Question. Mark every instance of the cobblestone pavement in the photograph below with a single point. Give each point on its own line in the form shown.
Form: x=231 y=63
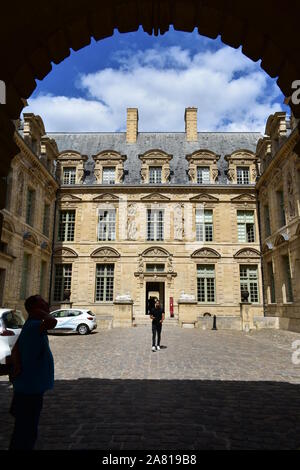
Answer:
x=203 y=390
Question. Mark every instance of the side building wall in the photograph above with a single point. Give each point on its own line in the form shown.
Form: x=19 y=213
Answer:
x=279 y=199
x=26 y=243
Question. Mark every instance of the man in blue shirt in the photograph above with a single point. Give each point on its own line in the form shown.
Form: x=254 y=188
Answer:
x=33 y=373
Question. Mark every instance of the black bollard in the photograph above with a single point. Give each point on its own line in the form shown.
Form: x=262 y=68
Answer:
x=215 y=323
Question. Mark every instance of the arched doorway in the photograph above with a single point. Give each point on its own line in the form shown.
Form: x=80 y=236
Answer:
x=37 y=37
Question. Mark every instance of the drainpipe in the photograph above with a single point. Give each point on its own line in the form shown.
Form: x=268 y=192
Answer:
x=52 y=250
x=261 y=257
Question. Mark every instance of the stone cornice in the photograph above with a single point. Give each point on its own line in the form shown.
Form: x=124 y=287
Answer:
x=34 y=159
x=109 y=154
x=155 y=154
x=284 y=150
x=71 y=155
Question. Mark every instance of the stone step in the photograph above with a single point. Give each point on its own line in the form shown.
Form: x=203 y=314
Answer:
x=145 y=320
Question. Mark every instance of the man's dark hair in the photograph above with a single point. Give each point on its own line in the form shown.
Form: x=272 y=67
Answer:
x=31 y=301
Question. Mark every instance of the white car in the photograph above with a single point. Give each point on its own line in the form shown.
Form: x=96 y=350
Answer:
x=82 y=321
x=11 y=323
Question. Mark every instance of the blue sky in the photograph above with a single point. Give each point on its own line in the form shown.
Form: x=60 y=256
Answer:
x=91 y=89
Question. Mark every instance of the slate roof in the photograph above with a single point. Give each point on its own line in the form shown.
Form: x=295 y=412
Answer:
x=174 y=143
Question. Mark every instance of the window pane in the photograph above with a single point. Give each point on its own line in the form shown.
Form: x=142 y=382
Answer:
x=288 y=279
x=280 y=200
x=271 y=283
x=66 y=228
x=204 y=225
x=203 y=175
x=249 y=282
x=243 y=175
x=155 y=267
x=107 y=225
x=46 y=221
x=155 y=225
x=206 y=283
x=108 y=175
x=267 y=221
x=246 y=227
x=62 y=282
x=69 y=175
x=43 y=278
x=250 y=233
x=25 y=275
x=155 y=174
x=30 y=206
x=104 y=282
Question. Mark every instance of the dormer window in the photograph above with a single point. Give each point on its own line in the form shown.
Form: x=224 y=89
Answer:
x=243 y=175
x=155 y=167
x=109 y=167
x=109 y=175
x=242 y=167
x=70 y=167
x=203 y=176
x=155 y=174
x=203 y=167
x=69 y=175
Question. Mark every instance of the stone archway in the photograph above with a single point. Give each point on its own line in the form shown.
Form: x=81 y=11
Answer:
x=35 y=37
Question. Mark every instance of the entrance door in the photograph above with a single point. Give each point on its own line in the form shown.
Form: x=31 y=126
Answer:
x=2 y=283
x=154 y=290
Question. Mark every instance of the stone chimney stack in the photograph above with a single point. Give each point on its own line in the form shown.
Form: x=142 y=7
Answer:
x=190 y=117
x=132 y=125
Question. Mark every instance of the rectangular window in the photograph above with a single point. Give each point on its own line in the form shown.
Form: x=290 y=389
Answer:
x=203 y=176
x=69 y=175
x=155 y=174
x=206 y=283
x=246 y=226
x=66 y=226
x=26 y=268
x=30 y=206
x=104 y=282
x=288 y=279
x=249 y=282
x=271 y=282
x=43 y=279
x=62 y=282
x=155 y=268
x=281 y=214
x=155 y=225
x=243 y=175
x=267 y=221
x=46 y=220
x=107 y=224
x=108 y=175
x=204 y=225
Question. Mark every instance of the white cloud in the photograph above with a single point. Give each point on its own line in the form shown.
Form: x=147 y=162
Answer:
x=231 y=93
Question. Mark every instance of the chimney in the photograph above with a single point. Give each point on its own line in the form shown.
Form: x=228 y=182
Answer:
x=190 y=117
x=132 y=125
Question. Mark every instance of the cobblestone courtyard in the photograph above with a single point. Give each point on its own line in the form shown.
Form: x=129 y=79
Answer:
x=203 y=390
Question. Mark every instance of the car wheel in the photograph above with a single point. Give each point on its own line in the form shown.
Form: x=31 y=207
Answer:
x=83 y=329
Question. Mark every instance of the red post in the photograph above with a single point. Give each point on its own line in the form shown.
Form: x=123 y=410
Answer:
x=171 y=307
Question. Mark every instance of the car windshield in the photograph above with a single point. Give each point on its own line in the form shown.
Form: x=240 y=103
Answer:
x=13 y=319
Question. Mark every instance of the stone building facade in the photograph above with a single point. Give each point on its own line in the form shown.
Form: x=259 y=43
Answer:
x=26 y=242
x=278 y=192
x=167 y=215
x=110 y=221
